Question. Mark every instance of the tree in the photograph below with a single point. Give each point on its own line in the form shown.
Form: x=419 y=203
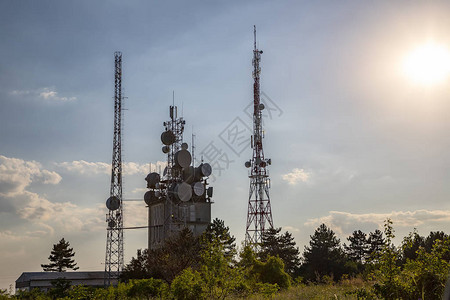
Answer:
x=263 y=277
x=282 y=245
x=219 y=276
x=411 y=245
x=358 y=248
x=376 y=244
x=217 y=231
x=137 y=268
x=388 y=284
x=61 y=258
x=324 y=256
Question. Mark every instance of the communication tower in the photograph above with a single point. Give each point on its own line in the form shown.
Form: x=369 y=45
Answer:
x=114 y=218
x=180 y=197
x=259 y=213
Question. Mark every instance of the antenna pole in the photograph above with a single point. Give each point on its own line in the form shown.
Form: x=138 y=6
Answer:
x=259 y=214
x=114 y=218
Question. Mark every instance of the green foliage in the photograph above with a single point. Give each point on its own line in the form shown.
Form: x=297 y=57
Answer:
x=387 y=274
x=281 y=245
x=411 y=245
x=188 y=285
x=272 y=271
x=82 y=292
x=324 y=256
x=358 y=249
x=34 y=294
x=60 y=288
x=376 y=244
x=255 y=271
x=217 y=231
x=147 y=288
x=425 y=277
x=178 y=253
x=218 y=274
x=137 y=268
x=61 y=258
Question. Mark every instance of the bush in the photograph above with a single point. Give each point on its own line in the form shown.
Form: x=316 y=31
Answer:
x=147 y=288
x=188 y=286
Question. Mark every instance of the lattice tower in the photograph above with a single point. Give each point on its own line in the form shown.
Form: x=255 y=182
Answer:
x=114 y=218
x=259 y=213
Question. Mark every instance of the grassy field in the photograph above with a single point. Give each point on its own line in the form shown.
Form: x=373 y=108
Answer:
x=347 y=289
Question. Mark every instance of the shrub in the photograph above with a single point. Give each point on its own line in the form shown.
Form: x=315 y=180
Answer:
x=188 y=286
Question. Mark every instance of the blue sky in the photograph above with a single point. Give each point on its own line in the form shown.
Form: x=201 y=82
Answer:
x=352 y=139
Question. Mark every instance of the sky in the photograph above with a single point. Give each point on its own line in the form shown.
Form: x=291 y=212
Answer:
x=353 y=138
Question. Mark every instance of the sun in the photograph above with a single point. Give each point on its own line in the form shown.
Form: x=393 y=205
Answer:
x=427 y=65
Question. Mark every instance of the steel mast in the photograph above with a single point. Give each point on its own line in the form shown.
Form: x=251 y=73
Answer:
x=259 y=214
x=114 y=218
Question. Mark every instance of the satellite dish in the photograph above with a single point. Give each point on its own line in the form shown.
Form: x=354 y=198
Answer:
x=262 y=164
x=198 y=188
x=184 y=146
x=205 y=169
x=209 y=191
x=152 y=179
x=168 y=138
x=248 y=164
x=269 y=161
x=183 y=192
x=188 y=174
x=183 y=159
x=261 y=106
x=165 y=149
x=113 y=203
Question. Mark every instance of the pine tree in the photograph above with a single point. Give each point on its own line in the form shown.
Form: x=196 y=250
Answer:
x=282 y=245
x=217 y=231
x=358 y=248
x=61 y=258
x=324 y=256
x=376 y=244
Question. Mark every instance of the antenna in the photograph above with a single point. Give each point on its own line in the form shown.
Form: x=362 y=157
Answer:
x=259 y=213
x=114 y=218
x=254 y=35
x=193 y=146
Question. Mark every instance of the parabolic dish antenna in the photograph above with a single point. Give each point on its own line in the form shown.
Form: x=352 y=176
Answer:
x=152 y=179
x=183 y=192
x=198 y=188
x=113 y=203
x=167 y=137
x=205 y=169
x=183 y=159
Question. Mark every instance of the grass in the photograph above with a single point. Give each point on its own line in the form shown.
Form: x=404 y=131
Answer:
x=347 y=289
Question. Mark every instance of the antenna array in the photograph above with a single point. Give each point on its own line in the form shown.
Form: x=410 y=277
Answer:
x=259 y=213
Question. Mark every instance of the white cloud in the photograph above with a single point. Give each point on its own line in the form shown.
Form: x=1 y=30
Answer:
x=94 y=168
x=345 y=222
x=84 y=167
x=47 y=93
x=291 y=229
x=296 y=176
x=16 y=174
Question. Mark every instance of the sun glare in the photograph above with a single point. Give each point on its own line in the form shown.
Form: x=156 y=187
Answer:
x=428 y=64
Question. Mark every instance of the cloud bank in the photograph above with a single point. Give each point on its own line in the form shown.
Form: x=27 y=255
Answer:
x=345 y=222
